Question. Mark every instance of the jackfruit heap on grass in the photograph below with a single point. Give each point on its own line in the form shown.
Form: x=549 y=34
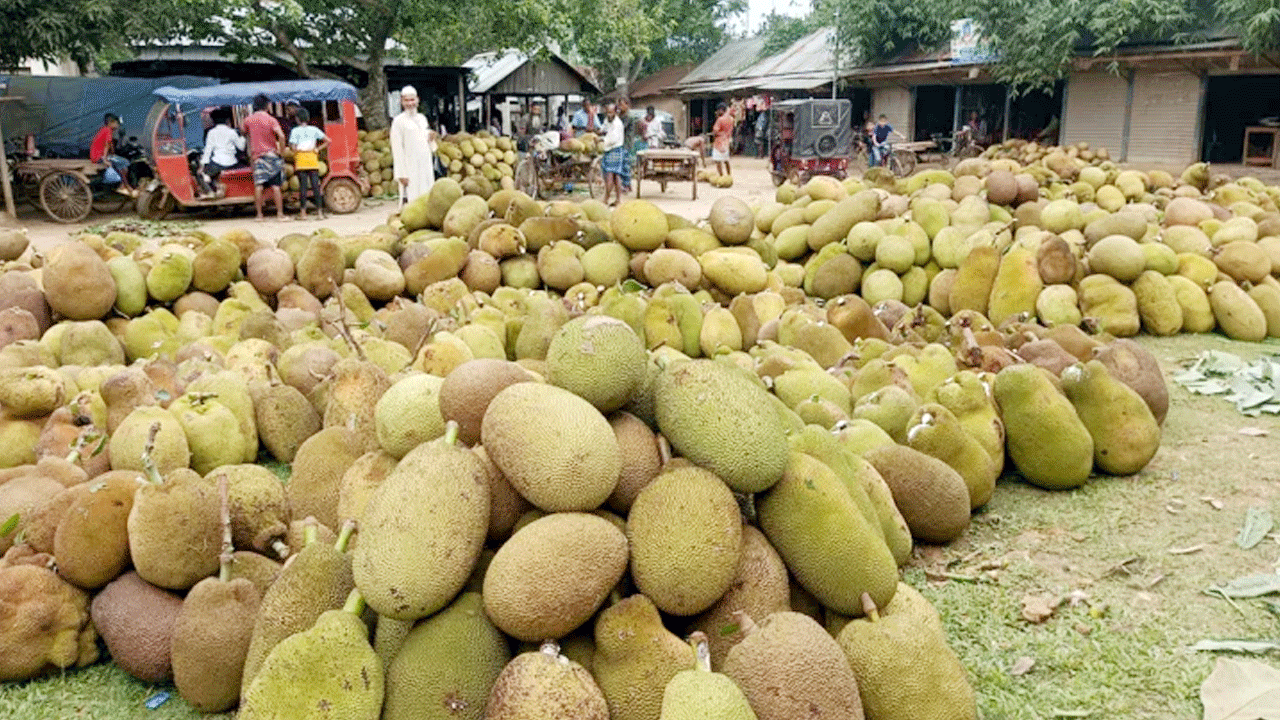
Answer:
x=607 y=428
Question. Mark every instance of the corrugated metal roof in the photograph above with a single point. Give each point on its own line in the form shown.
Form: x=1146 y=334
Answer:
x=490 y=68
x=727 y=62
x=814 y=52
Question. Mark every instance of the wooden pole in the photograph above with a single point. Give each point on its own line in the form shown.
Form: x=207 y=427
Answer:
x=4 y=180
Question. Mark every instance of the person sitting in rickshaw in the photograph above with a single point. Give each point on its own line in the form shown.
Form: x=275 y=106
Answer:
x=220 y=147
x=101 y=151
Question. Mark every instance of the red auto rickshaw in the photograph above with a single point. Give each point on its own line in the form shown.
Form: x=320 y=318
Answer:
x=175 y=132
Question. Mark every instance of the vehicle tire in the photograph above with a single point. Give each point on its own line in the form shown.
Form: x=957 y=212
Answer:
x=65 y=197
x=154 y=204
x=342 y=196
x=526 y=176
x=906 y=162
x=826 y=145
x=595 y=180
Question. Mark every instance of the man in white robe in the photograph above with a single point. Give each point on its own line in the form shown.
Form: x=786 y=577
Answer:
x=413 y=146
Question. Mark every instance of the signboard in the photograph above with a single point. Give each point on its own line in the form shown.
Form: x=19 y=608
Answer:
x=968 y=46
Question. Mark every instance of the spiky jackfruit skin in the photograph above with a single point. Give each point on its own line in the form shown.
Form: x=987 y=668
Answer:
x=544 y=686
x=423 y=529
x=328 y=672
x=685 y=532
x=789 y=667
x=1046 y=440
x=904 y=666
x=552 y=575
x=699 y=695
x=555 y=448
x=932 y=496
x=210 y=641
x=721 y=419
x=635 y=658
x=825 y=540
x=317 y=579
x=447 y=665
x=598 y=358
x=1125 y=432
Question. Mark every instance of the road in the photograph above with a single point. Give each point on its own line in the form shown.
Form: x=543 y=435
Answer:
x=751 y=183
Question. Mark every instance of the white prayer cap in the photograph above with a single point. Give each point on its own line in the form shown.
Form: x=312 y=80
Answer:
x=408 y=91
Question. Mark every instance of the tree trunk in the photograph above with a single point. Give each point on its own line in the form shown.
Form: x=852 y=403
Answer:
x=373 y=96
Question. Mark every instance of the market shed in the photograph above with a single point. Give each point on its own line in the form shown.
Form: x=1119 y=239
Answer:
x=499 y=75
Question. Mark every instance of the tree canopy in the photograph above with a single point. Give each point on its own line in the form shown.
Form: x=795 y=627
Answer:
x=51 y=30
x=1035 y=40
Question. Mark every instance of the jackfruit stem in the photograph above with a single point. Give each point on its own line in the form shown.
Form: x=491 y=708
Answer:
x=149 y=463
x=310 y=531
x=664 y=450
x=344 y=534
x=549 y=647
x=228 y=548
x=281 y=548
x=701 y=651
x=746 y=625
x=869 y=608
x=343 y=329
x=451 y=432
x=355 y=603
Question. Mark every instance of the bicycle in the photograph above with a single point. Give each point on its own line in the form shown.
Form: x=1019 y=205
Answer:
x=957 y=147
x=901 y=162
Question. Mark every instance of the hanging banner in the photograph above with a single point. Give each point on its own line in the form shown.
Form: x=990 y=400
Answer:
x=968 y=46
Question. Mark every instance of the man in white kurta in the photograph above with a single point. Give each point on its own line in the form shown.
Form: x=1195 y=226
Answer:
x=413 y=146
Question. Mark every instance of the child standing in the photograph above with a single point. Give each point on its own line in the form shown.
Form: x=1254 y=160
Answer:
x=307 y=141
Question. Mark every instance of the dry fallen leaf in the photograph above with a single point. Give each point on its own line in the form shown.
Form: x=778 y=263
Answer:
x=1241 y=690
x=1037 y=609
x=1253 y=432
x=1185 y=550
x=1022 y=666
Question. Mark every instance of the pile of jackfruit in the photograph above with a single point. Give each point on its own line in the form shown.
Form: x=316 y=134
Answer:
x=532 y=447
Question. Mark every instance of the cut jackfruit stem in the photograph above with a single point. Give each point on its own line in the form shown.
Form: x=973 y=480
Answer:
x=228 y=548
x=344 y=535
x=701 y=651
x=664 y=451
x=281 y=548
x=148 y=463
x=451 y=432
x=869 y=608
x=310 y=531
x=746 y=625
x=355 y=603
x=549 y=647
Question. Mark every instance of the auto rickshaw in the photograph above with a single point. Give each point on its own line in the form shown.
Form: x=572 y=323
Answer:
x=175 y=134
x=809 y=137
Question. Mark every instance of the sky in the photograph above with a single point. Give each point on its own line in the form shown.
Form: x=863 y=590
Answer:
x=758 y=9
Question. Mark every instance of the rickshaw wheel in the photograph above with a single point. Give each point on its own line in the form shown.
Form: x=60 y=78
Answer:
x=154 y=204
x=595 y=180
x=342 y=196
x=526 y=177
x=65 y=197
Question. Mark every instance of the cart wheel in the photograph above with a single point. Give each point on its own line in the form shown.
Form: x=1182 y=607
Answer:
x=906 y=161
x=65 y=197
x=155 y=204
x=342 y=196
x=526 y=177
x=595 y=180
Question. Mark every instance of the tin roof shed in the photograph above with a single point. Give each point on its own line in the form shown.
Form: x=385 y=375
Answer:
x=512 y=72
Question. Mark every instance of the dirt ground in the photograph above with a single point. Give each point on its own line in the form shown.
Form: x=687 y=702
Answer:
x=751 y=183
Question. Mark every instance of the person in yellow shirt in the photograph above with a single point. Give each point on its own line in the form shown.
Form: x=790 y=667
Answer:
x=307 y=141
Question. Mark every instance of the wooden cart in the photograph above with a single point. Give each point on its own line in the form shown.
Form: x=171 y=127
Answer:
x=67 y=188
x=540 y=174
x=664 y=166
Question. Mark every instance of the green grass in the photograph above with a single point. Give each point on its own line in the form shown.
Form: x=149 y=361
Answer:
x=99 y=692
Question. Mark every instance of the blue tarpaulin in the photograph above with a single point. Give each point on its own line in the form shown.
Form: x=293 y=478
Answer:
x=64 y=113
x=278 y=91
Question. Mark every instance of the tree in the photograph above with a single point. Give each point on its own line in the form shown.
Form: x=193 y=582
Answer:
x=1258 y=21
x=781 y=31
x=448 y=32
x=55 y=29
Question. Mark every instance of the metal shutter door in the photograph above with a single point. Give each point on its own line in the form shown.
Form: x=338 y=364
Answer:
x=895 y=103
x=1162 y=126
x=1095 y=111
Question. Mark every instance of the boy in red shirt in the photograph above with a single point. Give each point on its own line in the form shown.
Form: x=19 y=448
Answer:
x=266 y=144
x=100 y=151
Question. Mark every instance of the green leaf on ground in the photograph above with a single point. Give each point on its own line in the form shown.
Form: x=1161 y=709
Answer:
x=1257 y=523
x=1241 y=690
x=1253 y=387
x=1248 y=646
x=1250 y=586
